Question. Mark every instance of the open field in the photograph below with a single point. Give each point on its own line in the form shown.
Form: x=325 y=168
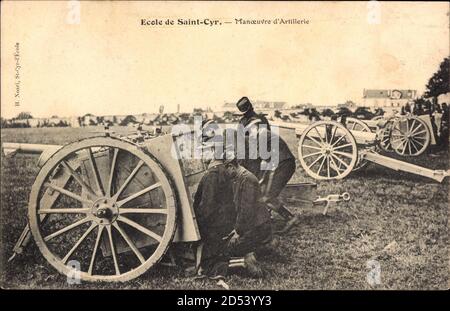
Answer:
x=323 y=252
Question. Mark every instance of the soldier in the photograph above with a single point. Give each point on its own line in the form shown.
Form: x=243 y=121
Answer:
x=251 y=161
x=215 y=214
x=444 y=128
x=275 y=173
x=273 y=182
x=253 y=229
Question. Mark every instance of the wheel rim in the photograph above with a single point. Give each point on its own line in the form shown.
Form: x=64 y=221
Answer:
x=385 y=136
x=353 y=124
x=410 y=136
x=327 y=150
x=116 y=223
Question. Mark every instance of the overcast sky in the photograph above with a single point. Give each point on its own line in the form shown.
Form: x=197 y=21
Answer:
x=110 y=64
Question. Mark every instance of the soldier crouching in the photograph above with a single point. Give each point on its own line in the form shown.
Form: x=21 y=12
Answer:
x=253 y=228
x=234 y=223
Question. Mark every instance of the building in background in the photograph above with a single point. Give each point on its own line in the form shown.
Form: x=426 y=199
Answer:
x=259 y=105
x=387 y=98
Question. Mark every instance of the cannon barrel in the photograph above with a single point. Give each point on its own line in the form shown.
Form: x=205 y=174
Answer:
x=45 y=151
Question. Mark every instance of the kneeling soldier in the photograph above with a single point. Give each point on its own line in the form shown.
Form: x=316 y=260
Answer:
x=252 y=230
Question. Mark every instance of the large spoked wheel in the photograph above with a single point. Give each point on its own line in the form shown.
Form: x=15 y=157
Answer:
x=103 y=207
x=327 y=150
x=410 y=136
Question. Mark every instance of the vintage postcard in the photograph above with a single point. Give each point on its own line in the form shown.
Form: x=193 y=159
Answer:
x=224 y=145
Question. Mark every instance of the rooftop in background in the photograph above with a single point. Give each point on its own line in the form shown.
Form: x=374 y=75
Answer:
x=259 y=105
x=392 y=94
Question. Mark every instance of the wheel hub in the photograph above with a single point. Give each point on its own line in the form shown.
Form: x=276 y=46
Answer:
x=105 y=211
x=327 y=149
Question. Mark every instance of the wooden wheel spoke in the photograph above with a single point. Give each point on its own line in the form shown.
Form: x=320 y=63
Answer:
x=130 y=177
x=95 y=171
x=315 y=141
x=68 y=228
x=77 y=244
x=315 y=161
x=321 y=165
x=67 y=193
x=317 y=131
x=312 y=147
x=312 y=154
x=333 y=134
x=403 y=146
x=63 y=211
x=129 y=242
x=420 y=137
x=111 y=173
x=418 y=133
x=417 y=142
x=420 y=126
x=78 y=178
x=412 y=125
x=139 y=193
x=338 y=140
x=340 y=161
x=334 y=166
x=140 y=228
x=94 y=252
x=113 y=250
x=142 y=211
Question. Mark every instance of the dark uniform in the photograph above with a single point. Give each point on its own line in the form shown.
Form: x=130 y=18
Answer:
x=249 y=116
x=444 y=129
x=275 y=180
x=253 y=224
x=215 y=214
x=251 y=163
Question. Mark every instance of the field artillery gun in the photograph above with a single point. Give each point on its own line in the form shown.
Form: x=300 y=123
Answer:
x=406 y=135
x=109 y=208
x=329 y=150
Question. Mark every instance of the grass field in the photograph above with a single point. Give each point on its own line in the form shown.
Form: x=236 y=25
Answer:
x=406 y=212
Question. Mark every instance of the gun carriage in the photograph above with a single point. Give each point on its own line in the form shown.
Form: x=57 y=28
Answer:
x=331 y=150
x=116 y=205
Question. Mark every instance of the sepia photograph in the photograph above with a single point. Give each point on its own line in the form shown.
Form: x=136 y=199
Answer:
x=249 y=145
